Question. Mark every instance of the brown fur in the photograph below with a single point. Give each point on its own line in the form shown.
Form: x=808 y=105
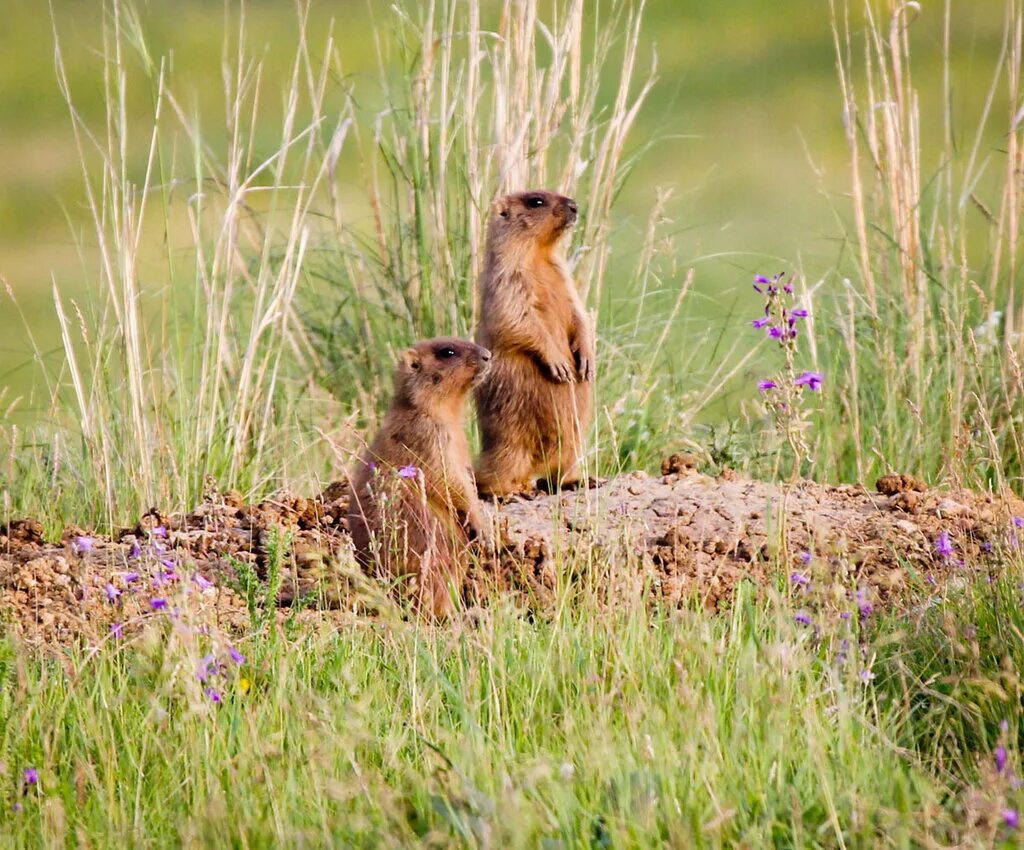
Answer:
x=535 y=404
x=421 y=526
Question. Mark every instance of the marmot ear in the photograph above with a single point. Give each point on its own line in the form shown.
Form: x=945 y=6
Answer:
x=411 y=359
x=500 y=208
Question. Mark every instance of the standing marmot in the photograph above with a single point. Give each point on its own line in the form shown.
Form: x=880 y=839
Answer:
x=414 y=506
x=535 y=404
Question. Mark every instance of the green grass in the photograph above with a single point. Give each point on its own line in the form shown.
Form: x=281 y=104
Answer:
x=584 y=728
x=678 y=362
x=582 y=725
x=743 y=88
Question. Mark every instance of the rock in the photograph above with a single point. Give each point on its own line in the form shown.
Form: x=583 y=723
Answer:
x=890 y=485
x=24 y=531
x=679 y=464
x=906 y=501
x=950 y=508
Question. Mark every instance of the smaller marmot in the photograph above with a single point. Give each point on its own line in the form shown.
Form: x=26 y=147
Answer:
x=414 y=508
x=535 y=405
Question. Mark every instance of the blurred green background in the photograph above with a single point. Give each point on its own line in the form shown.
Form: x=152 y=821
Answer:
x=746 y=114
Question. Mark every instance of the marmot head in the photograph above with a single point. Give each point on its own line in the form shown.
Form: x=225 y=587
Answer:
x=439 y=373
x=541 y=215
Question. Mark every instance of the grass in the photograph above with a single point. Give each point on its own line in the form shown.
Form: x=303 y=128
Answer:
x=249 y=280
x=251 y=276
x=624 y=728
x=281 y=275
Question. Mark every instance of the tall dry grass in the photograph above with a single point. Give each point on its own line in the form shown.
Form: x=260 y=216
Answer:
x=237 y=279
x=234 y=278
x=497 y=98
x=927 y=342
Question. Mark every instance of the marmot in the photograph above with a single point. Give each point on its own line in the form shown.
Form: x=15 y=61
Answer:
x=535 y=405
x=414 y=507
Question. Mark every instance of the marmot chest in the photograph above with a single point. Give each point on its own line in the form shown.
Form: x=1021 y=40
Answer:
x=553 y=298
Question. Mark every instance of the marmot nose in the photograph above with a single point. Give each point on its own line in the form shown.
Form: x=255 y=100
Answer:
x=485 y=355
x=571 y=204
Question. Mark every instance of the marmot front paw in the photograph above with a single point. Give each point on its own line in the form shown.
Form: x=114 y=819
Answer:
x=562 y=371
x=585 y=367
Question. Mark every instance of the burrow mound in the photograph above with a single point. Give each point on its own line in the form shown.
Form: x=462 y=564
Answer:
x=678 y=536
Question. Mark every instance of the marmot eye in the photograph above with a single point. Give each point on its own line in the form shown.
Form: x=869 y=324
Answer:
x=445 y=353
x=534 y=202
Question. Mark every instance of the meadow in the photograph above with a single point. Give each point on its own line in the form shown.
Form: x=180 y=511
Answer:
x=260 y=208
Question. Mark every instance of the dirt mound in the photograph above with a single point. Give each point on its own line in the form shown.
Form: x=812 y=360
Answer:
x=85 y=585
x=676 y=535
x=697 y=535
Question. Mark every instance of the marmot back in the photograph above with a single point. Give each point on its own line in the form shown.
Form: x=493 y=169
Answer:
x=535 y=405
x=414 y=508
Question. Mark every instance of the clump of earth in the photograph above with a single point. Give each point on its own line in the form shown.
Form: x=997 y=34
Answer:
x=679 y=538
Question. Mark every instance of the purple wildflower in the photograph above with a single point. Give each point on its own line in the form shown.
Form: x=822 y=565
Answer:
x=160 y=531
x=760 y=323
x=866 y=675
x=31 y=776
x=788 y=289
x=805 y=557
x=207 y=667
x=203 y=582
x=409 y=471
x=766 y=385
x=112 y=592
x=864 y=605
x=776 y=333
x=1011 y=818
x=82 y=544
x=130 y=578
x=17 y=807
x=158 y=604
x=944 y=546
x=134 y=551
x=800 y=579
x=117 y=630
x=811 y=380
x=159 y=547
x=236 y=656
x=167 y=562
x=803 y=618
x=213 y=694
x=799 y=313
x=1018 y=521
x=845 y=615
x=1000 y=758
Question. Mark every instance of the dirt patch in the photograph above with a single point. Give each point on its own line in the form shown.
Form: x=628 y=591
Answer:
x=678 y=535
x=696 y=535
